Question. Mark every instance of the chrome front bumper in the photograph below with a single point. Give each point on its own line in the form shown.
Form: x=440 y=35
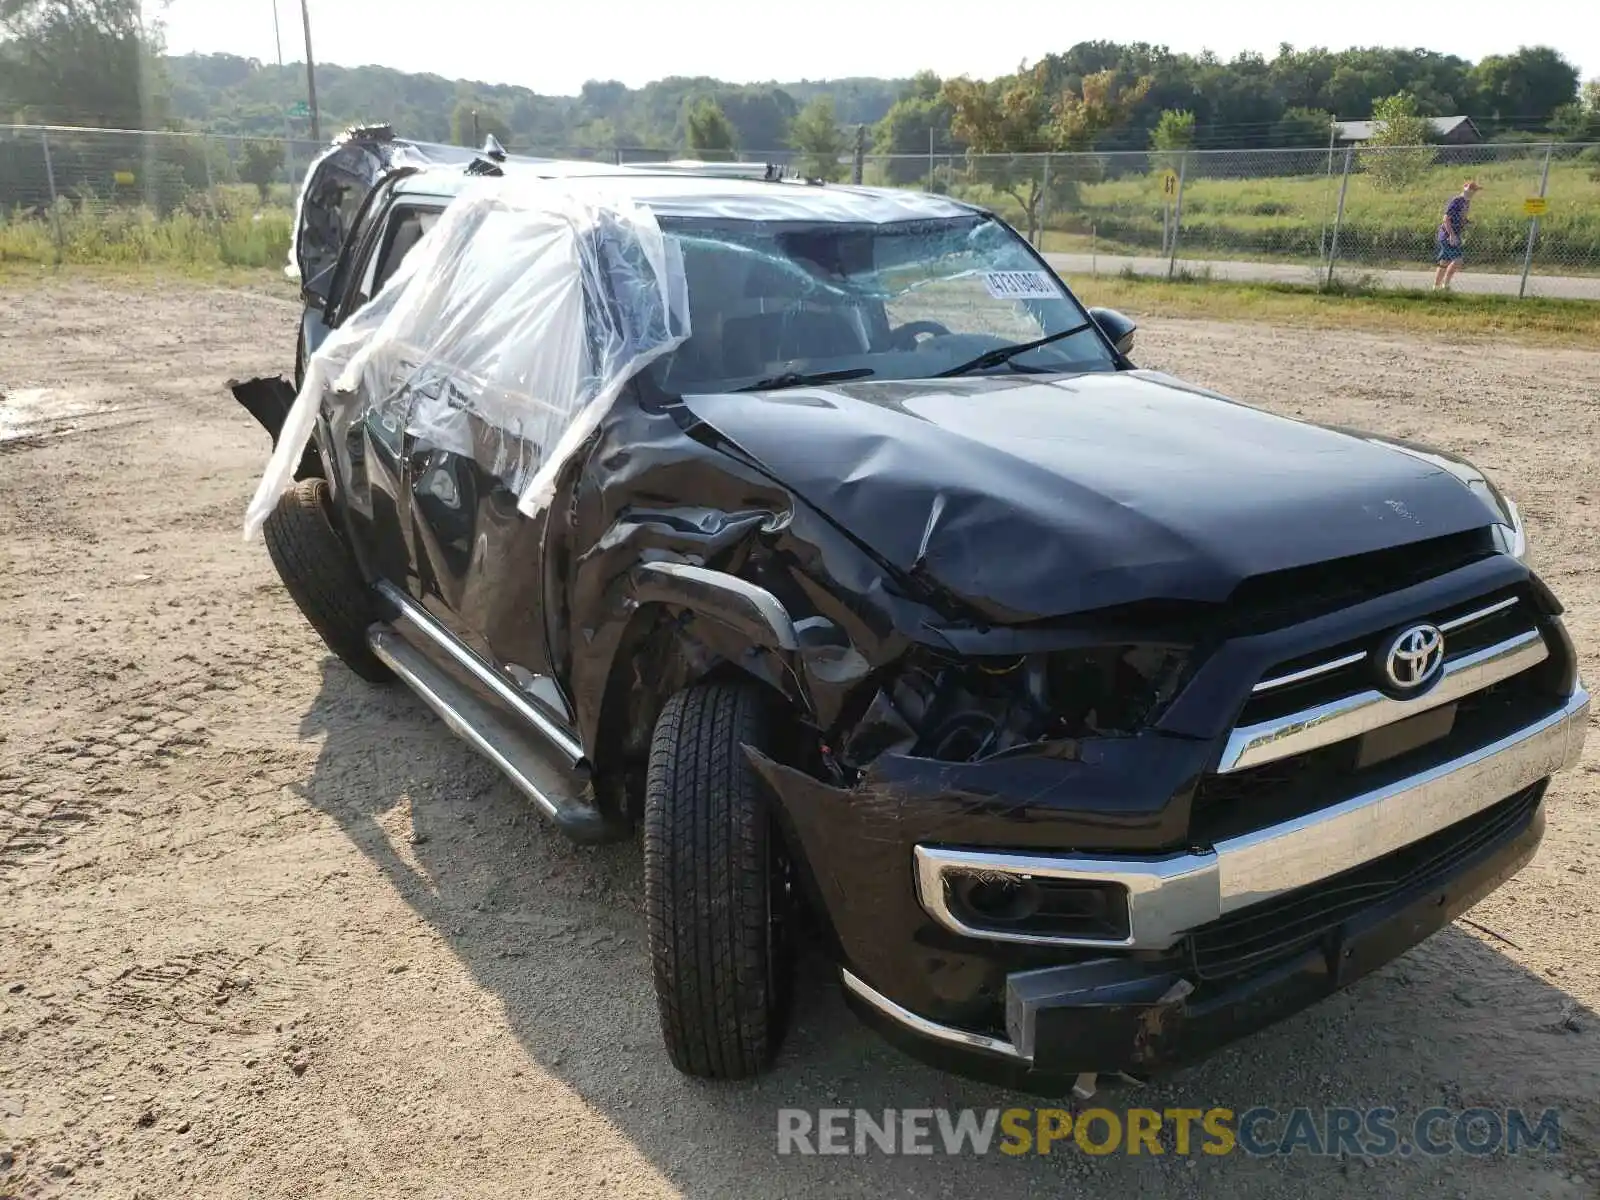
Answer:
x=1170 y=895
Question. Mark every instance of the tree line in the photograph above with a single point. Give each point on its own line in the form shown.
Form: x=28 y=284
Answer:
x=100 y=62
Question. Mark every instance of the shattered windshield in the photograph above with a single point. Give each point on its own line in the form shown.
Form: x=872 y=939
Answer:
x=911 y=300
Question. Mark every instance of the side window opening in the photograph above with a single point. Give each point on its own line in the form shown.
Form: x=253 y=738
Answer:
x=406 y=228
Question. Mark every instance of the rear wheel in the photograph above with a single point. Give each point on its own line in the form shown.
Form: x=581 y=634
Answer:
x=320 y=574
x=717 y=894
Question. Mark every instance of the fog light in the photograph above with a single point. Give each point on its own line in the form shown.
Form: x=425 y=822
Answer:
x=1040 y=906
x=1001 y=900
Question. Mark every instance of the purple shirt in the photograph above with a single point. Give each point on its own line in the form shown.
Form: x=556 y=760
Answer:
x=1455 y=216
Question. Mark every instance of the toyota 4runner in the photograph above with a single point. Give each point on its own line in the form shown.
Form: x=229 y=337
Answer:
x=820 y=533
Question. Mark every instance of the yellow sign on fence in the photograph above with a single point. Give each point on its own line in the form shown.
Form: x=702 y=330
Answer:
x=124 y=178
x=1535 y=206
x=1169 y=183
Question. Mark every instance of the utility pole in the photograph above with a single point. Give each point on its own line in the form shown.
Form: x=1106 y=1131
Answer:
x=311 y=74
x=288 y=131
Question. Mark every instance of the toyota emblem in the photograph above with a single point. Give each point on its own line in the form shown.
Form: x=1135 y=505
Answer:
x=1414 y=657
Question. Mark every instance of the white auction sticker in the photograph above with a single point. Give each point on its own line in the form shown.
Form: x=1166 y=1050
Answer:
x=1020 y=285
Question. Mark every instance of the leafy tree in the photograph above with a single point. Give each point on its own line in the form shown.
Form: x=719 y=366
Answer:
x=86 y=62
x=710 y=133
x=856 y=101
x=1246 y=101
x=602 y=100
x=1397 y=154
x=1579 y=120
x=1303 y=127
x=816 y=134
x=474 y=124
x=1020 y=115
x=262 y=162
x=760 y=116
x=1575 y=122
x=1524 y=89
x=1173 y=134
x=917 y=122
x=1101 y=102
x=1002 y=120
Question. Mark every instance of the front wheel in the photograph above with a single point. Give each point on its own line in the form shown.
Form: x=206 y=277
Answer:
x=716 y=888
x=321 y=575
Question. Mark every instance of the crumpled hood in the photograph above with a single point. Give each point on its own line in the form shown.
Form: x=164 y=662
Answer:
x=1027 y=498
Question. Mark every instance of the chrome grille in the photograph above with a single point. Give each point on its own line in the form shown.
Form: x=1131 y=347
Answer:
x=1319 y=700
x=1341 y=669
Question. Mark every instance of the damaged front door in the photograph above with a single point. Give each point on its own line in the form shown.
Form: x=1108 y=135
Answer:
x=373 y=447
x=479 y=561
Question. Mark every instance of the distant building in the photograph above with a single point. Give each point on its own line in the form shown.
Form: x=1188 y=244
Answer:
x=1452 y=131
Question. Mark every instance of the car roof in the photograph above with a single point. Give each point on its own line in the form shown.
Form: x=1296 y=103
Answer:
x=670 y=190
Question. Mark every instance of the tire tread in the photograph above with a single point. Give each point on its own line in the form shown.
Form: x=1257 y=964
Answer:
x=320 y=575
x=706 y=883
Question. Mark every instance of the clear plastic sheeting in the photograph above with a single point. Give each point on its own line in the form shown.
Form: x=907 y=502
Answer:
x=505 y=335
x=292 y=270
x=335 y=188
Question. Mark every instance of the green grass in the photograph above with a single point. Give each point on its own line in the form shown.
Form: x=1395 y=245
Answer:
x=1406 y=313
x=1289 y=218
x=229 y=235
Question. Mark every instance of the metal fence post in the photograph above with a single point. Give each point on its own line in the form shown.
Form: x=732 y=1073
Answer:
x=1338 y=219
x=1044 y=203
x=1177 y=213
x=211 y=179
x=50 y=176
x=1533 y=223
x=1322 y=236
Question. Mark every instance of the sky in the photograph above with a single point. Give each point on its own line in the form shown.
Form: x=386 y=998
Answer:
x=556 y=50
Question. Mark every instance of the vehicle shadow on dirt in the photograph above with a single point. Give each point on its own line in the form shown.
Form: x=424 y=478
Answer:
x=555 y=933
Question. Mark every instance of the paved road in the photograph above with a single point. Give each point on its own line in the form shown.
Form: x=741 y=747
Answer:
x=1573 y=287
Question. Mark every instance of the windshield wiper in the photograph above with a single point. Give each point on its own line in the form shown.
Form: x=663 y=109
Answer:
x=791 y=379
x=1004 y=354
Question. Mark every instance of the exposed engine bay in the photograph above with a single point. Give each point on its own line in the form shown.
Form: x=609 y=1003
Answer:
x=965 y=710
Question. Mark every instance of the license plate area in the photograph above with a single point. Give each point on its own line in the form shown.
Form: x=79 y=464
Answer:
x=1404 y=736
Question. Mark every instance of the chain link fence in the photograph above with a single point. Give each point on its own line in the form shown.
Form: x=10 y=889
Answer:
x=1339 y=214
x=92 y=195
x=1336 y=214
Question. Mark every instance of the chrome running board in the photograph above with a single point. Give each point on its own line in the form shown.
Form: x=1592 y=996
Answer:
x=495 y=735
x=422 y=623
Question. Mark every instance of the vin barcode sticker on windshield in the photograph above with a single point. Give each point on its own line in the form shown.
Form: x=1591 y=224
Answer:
x=1020 y=285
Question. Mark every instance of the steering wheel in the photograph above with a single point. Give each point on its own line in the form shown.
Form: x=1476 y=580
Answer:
x=906 y=335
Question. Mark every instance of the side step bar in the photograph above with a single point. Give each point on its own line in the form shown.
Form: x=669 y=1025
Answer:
x=419 y=621
x=497 y=738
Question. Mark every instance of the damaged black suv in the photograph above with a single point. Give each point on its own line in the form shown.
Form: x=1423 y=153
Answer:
x=821 y=532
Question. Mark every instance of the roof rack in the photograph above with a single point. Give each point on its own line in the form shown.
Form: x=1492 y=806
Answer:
x=770 y=172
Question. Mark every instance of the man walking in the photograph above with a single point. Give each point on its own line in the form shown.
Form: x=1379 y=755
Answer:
x=1447 y=242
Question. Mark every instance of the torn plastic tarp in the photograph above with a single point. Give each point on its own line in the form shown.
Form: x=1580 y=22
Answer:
x=504 y=336
x=336 y=185
x=294 y=269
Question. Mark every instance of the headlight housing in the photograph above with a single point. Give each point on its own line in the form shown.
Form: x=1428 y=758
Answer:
x=965 y=710
x=1510 y=536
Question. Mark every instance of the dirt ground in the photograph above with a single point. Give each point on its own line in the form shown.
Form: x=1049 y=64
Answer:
x=267 y=931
